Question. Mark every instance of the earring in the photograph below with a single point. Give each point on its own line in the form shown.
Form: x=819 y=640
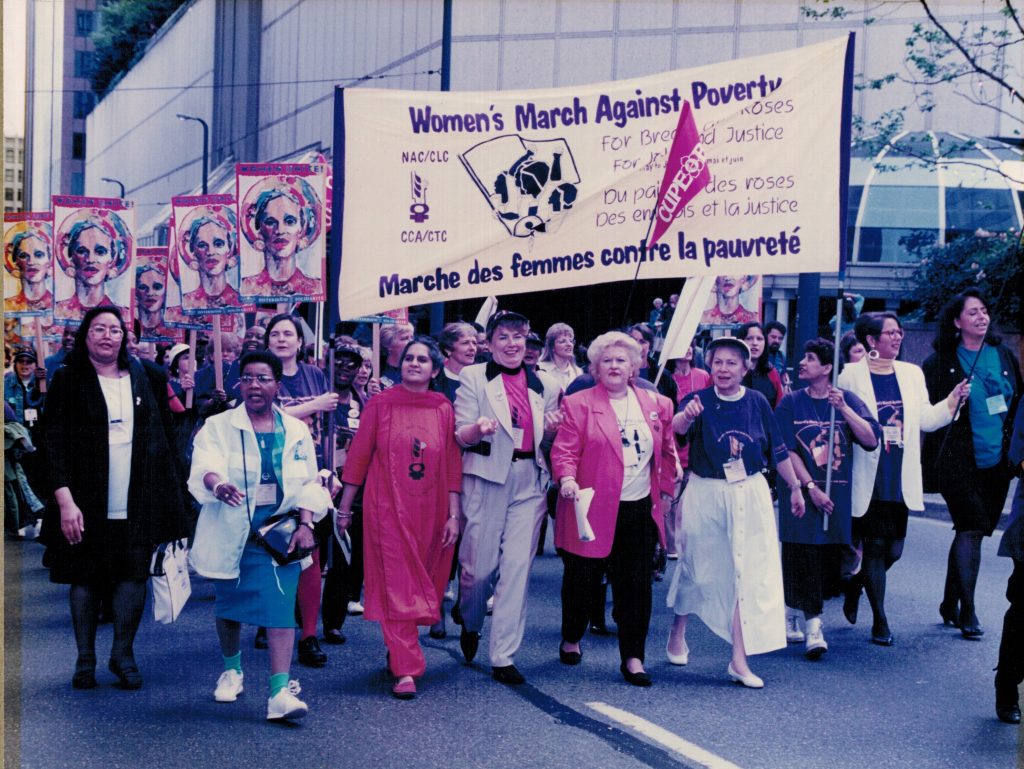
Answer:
x=873 y=354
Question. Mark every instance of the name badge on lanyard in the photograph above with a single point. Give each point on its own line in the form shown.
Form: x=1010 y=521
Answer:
x=893 y=434
x=735 y=470
x=119 y=432
x=996 y=405
x=32 y=415
x=266 y=494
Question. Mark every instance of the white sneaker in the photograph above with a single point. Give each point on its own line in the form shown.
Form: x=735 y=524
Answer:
x=229 y=686
x=449 y=594
x=354 y=607
x=816 y=644
x=285 y=705
x=490 y=605
x=794 y=634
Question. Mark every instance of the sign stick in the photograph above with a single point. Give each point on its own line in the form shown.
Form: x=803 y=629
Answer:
x=192 y=358
x=40 y=358
x=218 y=355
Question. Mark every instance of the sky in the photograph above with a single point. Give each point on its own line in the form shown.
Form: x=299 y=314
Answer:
x=14 y=67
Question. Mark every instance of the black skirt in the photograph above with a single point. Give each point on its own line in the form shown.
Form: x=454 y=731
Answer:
x=883 y=520
x=976 y=500
x=102 y=558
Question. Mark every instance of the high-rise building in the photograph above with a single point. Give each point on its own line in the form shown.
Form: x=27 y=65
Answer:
x=14 y=173
x=58 y=97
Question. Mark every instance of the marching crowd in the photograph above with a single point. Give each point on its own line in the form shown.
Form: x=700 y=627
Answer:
x=434 y=481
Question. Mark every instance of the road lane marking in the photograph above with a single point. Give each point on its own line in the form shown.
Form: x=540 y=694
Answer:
x=663 y=736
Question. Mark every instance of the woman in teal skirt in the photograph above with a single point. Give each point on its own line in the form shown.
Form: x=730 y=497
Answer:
x=250 y=463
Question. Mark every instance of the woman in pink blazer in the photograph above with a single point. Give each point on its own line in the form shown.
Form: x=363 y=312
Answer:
x=617 y=440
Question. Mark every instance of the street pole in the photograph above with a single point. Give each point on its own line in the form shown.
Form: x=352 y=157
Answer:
x=206 y=148
x=437 y=308
x=118 y=182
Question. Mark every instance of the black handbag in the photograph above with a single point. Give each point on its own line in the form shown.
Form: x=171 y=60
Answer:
x=275 y=535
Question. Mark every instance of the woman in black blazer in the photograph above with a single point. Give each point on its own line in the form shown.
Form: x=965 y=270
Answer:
x=967 y=461
x=114 y=489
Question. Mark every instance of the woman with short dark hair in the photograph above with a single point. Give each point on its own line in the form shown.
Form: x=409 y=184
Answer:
x=967 y=462
x=115 y=486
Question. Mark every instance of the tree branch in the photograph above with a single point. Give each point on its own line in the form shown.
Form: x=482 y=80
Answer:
x=1013 y=92
x=1012 y=13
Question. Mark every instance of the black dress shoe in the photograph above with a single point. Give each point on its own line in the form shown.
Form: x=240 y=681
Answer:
x=84 y=679
x=456 y=614
x=508 y=675
x=334 y=637
x=260 y=641
x=637 y=679
x=310 y=653
x=851 y=602
x=972 y=631
x=438 y=631
x=569 y=658
x=881 y=636
x=600 y=629
x=949 y=615
x=470 y=642
x=127 y=673
x=1010 y=715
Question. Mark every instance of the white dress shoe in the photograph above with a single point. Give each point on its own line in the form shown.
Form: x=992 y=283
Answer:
x=750 y=681
x=677 y=659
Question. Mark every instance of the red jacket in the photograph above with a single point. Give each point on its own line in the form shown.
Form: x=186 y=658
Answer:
x=588 y=447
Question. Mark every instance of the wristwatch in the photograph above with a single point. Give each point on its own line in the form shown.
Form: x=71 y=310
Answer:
x=310 y=524
x=810 y=485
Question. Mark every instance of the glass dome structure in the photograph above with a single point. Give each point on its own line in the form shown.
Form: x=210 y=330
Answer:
x=942 y=184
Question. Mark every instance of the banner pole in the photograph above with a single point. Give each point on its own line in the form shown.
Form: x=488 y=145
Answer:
x=375 y=360
x=40 y=358
x=636 y=275
x=218 y=355
x=192 y=360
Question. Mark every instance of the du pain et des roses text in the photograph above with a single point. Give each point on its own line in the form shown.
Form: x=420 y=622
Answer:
x=775 y=244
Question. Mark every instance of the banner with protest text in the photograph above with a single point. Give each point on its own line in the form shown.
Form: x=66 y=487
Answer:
x=479 y=194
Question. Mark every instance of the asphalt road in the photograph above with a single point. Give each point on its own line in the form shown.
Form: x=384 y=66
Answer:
x=925 y=702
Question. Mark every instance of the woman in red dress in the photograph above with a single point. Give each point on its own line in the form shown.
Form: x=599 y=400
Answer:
x=406 y=454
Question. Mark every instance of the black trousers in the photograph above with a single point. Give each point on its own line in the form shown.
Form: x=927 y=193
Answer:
x=629 y=572
x=809 y=575
x=1011 y=648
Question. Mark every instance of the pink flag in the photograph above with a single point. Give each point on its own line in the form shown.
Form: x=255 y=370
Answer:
x=686 y=173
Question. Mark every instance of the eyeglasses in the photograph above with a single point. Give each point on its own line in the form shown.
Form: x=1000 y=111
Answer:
x=263 y=379
x=114 y=332
x=893 y=332
x=348 y=364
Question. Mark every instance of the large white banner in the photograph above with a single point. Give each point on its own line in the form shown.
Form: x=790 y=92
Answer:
x=460 y=195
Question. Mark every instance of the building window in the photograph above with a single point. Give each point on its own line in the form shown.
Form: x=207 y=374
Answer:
x=78 y=146
x=83 y=103
x=9 y=195
x=84 y=22
x=21 y=176
x=9 y=175
x=77 y=183
x=83 y=63
x=9 y=156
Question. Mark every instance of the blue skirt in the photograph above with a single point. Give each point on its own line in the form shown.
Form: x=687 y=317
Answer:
x=264 y=593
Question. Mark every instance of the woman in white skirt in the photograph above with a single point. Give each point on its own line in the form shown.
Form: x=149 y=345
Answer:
x=729 y=572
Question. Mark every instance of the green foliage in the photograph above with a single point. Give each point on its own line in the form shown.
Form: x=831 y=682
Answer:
x=990 y=262
x=124 y=29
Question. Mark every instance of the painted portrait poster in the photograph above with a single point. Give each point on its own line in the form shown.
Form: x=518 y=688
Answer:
x=283 y=232
x=28 y=263
x=173 y=314
x=206 y=246
x=734 y=300
x=94 y=248
x=151 y=283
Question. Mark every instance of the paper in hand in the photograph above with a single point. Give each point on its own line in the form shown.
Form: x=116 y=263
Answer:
x=583 y=499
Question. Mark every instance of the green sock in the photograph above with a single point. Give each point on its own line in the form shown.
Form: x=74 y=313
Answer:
x=233 y=663
x=278 y=681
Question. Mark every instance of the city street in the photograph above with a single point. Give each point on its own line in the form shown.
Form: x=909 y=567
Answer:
x=925 y=702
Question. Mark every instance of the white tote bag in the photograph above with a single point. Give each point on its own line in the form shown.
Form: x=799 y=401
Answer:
x=171 y=583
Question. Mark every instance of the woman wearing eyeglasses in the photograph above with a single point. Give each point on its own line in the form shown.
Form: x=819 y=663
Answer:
x=405 y=453
x=115 y=494
x=887 y=480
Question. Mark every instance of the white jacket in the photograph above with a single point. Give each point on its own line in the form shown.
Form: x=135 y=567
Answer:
x=918 y=414
x=222 y=529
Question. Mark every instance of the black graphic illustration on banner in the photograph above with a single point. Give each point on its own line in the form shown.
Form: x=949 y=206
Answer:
x=529 y=184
